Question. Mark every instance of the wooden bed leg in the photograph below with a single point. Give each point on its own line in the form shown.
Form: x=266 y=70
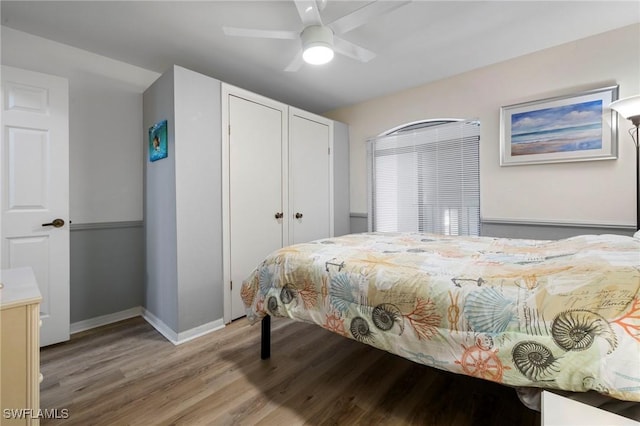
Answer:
x=265 y=345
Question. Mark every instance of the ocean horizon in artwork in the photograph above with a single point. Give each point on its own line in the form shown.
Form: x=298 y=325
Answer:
x=575 y=127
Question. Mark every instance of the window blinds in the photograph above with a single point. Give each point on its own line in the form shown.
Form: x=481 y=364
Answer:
x=426 y=180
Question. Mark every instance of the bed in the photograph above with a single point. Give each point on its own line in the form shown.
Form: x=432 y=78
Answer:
x=525 y=313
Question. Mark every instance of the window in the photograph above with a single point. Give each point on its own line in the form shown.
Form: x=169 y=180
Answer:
x=425 y=177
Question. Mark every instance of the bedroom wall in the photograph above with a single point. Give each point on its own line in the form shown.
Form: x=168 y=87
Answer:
x=341 y=225
x=596 y=193
x=160 y=227
x=105 y=150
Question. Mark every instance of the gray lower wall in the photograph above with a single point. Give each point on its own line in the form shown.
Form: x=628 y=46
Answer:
x=536 y=231
x=358 y=223
x=539 y=231
x=107 y=259
x=107 y=268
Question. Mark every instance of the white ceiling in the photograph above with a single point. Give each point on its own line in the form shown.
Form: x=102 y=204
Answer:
x=415 y=44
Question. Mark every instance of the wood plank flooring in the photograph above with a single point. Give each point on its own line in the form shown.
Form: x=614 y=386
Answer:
x=128 y=374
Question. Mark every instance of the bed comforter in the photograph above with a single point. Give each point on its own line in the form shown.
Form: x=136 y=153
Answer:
x=553 y=314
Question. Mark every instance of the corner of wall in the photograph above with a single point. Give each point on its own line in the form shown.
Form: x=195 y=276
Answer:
x=161 y=275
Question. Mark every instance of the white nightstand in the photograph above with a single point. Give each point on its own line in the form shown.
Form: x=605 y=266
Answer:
x=560 y=411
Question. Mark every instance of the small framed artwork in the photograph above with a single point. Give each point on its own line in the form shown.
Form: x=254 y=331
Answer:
x=158 y=141
x=577 y=127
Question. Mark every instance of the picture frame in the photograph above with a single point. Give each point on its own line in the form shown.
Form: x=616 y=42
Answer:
x=158 y=141
x=575 y=127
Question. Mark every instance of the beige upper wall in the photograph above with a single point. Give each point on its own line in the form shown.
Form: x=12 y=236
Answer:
x=592 y=192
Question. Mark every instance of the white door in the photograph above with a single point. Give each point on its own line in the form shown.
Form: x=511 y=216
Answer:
x=35 y=189
x=310 y=174
x=256 y=179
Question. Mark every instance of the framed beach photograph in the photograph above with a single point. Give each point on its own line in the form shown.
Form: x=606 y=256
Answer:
x=158 y=141
x=577 y=127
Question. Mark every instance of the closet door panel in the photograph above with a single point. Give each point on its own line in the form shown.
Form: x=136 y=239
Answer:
x=309 y=179
x=255 y=189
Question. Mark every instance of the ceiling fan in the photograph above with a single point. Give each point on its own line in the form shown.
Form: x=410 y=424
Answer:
x=320 y=41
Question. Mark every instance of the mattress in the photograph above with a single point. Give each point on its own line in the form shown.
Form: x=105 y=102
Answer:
x=548 y=314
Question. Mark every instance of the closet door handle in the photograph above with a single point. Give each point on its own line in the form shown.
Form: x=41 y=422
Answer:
x=279 y=215
x=298 y=216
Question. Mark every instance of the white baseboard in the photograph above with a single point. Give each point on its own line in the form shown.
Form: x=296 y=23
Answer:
x=157 y=323
x=160 y=326
x=184 y=336
x=79 y=326
x=200 y=330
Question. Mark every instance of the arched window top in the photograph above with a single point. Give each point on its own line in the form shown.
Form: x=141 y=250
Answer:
x=420 y=124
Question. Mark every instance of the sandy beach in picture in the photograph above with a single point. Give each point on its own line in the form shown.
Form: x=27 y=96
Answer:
x=545 y=147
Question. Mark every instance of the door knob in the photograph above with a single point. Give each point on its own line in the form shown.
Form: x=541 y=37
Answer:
x=298 y=216
x=57 y=223
x=279 y=215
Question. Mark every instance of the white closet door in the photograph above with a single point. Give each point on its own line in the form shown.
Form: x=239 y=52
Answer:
x=255 y=189
x=309 y=178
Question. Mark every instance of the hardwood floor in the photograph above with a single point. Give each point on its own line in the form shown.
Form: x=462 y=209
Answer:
x=127 y=373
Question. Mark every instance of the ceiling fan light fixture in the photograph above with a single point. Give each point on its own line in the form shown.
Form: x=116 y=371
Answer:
x=317 y=45
x=317 y=55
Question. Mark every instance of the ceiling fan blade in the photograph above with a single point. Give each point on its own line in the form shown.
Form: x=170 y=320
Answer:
x=308 y=11
x=363 y=15
x=351 y=50
x=250 y=32
x=295 y=64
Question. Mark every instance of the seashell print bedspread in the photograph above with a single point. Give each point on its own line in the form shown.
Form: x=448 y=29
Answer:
x=554 y=314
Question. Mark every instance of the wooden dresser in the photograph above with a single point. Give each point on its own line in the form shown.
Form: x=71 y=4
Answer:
x=19 y=347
